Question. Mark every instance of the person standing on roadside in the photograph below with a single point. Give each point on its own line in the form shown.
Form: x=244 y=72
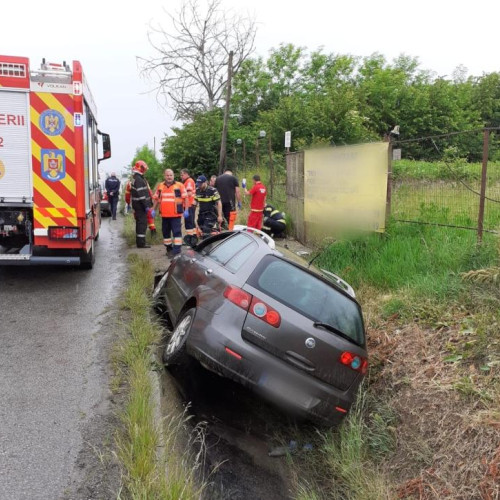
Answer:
x=209 y=207
x=141 y=202
x=112 y=186
x=257 y=203
x=150 y=215
x=171 y=196
x=189 y=213
x=229 y=189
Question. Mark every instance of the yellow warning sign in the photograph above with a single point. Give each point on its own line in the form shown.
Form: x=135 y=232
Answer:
x=2 y=169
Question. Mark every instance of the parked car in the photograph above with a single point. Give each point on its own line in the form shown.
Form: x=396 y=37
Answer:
x=105 y=208
x=260 y=316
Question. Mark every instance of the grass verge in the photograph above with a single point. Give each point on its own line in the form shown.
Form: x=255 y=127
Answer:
x=154 y=464
x=426 y=423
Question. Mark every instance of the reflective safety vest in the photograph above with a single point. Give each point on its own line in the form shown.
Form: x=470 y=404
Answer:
x=207 y=199
x=128 y=192
x=172 y=199
x=271 y=213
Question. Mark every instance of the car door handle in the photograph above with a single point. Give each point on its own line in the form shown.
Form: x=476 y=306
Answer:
x=208 y=272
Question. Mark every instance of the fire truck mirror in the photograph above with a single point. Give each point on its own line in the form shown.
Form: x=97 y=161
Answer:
x=106 y=146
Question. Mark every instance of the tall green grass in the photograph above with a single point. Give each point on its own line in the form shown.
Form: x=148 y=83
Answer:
x=453 y=169
x=427 y=259
x=344 y=463
x=153 y=467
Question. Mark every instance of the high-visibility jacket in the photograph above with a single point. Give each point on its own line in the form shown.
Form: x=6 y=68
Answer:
x=128 y=189
x=190 y=190
x=172 y=199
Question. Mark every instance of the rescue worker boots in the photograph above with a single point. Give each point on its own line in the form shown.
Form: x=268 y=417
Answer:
x=140 y=242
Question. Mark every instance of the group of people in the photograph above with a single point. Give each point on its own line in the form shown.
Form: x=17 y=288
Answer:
x=214 y=201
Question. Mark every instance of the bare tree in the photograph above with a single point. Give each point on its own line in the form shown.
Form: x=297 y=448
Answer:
x=191 y=62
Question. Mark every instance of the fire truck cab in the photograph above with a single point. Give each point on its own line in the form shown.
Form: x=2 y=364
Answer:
x=50 y=148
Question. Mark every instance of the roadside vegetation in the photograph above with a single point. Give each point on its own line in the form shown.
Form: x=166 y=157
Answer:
x=427 y=420
x=426 y=423
x=156 y=462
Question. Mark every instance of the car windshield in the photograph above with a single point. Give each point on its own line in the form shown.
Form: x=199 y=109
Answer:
x=310 y=296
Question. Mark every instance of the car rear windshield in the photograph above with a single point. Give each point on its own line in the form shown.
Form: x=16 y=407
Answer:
x=309 y=295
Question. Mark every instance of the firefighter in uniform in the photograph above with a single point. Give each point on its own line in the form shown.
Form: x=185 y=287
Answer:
x=171 y=196
x=149 y=213
x=274 y=223
x=189 y=213
x=207 y=200
x=141 y=202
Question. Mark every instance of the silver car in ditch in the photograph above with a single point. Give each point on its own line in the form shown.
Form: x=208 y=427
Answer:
x=267 y=320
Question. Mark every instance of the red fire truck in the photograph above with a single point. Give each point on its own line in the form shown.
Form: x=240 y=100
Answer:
x=50 y=148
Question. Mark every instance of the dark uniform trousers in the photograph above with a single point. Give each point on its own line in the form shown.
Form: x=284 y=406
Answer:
x=141 y=201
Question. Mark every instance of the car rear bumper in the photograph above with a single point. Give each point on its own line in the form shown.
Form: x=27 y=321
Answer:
x=217 y=343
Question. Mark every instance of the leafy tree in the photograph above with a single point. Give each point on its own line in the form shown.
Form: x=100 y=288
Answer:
x=196 y=145
x=154 y=172
x=340 y=99
x=486 y=99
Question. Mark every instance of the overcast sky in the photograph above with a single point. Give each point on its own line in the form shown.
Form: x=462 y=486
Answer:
x=106 y=37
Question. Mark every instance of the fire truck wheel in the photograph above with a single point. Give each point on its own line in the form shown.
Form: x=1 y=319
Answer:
x=175 y=350
x=87 y=259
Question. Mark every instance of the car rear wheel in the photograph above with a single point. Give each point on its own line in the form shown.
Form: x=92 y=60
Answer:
x=175 y=350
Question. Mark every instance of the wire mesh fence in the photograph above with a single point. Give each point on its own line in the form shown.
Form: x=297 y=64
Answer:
x=447 y=191
x=455 y=188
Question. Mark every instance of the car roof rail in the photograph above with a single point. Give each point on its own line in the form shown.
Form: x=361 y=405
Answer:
x=263 y=236
x=340 y=282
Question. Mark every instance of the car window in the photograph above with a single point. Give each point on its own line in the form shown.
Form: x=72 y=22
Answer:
x=241 y=257
x=228 y=249
x=207 y=245
x=309 y=295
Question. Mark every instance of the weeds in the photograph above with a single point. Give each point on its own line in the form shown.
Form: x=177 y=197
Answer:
x=353 y=474
x=154 y=465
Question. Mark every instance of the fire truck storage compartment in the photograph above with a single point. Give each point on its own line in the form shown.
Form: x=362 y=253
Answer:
x=15 y=156
x=15 y=227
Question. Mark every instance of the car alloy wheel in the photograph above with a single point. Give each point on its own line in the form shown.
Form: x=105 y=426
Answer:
x=175 y=349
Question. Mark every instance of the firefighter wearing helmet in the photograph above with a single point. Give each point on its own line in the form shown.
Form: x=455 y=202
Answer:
x=141 y=202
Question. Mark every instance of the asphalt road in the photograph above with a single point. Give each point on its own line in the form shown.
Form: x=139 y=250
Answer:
x=55 y=335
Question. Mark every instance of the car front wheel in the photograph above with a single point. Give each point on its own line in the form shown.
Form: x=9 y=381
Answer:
x=175 y=350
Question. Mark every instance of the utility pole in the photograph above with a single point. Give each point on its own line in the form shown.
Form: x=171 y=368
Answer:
x=222 y=156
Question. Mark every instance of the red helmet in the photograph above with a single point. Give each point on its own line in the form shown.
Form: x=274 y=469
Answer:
x=140 y=167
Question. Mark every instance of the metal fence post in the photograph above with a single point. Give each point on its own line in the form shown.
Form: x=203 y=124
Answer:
x=480 y=219
x=388 y=199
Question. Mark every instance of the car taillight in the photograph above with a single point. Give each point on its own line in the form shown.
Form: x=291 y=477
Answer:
x=253 y=305
x=264 y=312
x=354 y=361
x=63 y=233
x=238 y=296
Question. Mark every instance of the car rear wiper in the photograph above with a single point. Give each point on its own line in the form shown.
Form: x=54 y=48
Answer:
x=331 y=328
